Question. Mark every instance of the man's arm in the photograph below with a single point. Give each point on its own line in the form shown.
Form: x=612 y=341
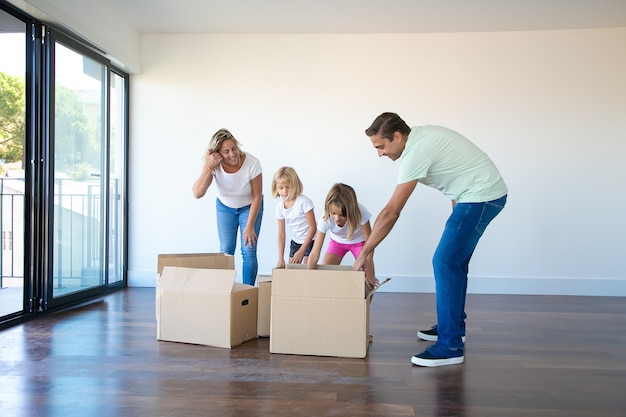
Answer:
x=370 y=278
x=384 y=222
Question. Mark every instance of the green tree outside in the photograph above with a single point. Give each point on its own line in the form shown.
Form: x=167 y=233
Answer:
x=77 y=148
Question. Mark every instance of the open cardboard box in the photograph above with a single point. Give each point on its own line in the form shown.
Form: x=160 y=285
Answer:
x=323 y=312
x=203 y=304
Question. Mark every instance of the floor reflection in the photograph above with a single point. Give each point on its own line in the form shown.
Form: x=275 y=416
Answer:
x=450 y=391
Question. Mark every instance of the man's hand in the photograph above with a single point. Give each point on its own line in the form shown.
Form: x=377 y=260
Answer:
x=366 y=265
x=359 y=263
x=372 y=282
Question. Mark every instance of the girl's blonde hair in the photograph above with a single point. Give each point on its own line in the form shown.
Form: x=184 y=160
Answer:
x=290 y=176
x=344 y=197
x=220 y=137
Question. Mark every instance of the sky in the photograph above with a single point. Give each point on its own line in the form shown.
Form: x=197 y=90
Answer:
x=13 y=62
x=12 y=54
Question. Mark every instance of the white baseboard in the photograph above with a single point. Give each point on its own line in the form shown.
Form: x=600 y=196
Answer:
x=518 y=285
x=142 y=278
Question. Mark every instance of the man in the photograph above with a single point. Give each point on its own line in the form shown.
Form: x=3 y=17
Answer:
x=443 y=159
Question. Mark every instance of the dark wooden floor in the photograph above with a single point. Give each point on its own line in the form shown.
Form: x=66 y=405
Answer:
x=525 y=356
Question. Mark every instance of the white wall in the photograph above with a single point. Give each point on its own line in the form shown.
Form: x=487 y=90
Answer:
x=548 y=107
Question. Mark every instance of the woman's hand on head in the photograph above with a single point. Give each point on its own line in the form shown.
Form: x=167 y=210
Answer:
x=212 y=160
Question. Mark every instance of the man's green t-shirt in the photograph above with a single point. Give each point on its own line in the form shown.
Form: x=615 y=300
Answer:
x=446 y=160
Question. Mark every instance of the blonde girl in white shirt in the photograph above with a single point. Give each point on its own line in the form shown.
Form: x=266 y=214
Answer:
x=295 y=211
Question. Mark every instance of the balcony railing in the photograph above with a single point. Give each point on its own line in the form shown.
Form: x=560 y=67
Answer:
x=77 y=237
x=12 y=221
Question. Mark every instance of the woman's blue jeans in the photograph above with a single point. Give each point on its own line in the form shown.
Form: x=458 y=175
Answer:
x=229 y=220
x=464 y=228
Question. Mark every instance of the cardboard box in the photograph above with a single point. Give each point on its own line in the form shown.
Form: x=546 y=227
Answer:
x=204 y=306
x=323 y=312
x=264 y=283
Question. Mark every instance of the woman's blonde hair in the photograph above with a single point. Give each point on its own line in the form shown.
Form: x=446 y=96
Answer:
x=344 y=197
x=220 y=137
x=289 y=175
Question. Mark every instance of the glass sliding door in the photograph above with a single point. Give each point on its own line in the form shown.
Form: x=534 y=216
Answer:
x=63 y=165
x=79 y=151
x=12 y=181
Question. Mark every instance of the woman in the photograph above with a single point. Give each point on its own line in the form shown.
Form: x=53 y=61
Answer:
x=239 y=203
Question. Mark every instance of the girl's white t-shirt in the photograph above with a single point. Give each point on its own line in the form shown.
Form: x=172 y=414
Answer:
x=340 y=234
x=295 y=217
x=234 y=190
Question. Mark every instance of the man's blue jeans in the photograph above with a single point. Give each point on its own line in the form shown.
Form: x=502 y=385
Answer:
x=229 y=220
x=463 y=229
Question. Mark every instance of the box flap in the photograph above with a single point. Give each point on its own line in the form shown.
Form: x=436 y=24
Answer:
x=211 y=281
x=193 y=316
x=370 y=293
x=263 y=278
x=338 y=283
x=196 y=260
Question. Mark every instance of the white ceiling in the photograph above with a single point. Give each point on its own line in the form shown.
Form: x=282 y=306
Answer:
x=366 y=16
